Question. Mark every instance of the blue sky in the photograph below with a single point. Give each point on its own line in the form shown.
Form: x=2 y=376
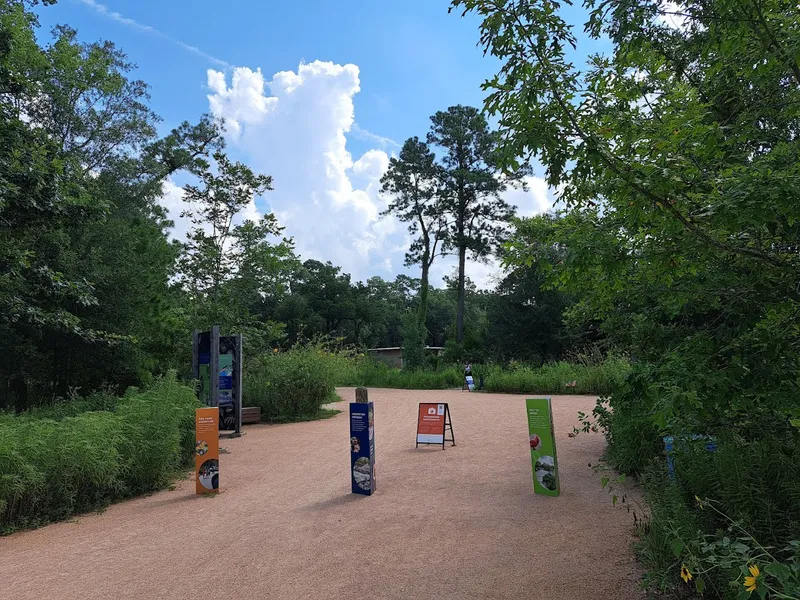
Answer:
x=351 y=73
x=413 y=56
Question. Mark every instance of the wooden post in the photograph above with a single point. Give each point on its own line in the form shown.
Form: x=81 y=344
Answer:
x=361 y=395
x=213 y=365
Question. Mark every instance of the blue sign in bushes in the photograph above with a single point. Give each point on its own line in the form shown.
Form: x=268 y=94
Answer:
x=362 y=448
x=670 y=443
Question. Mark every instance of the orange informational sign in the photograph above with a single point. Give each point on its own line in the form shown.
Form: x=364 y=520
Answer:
x=206 y=450
x=431 y=423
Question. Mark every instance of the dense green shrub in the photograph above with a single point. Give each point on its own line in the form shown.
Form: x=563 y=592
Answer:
x=293 y=385
x=515 y=378
x=716 y=549
x=51 y=469
x=726 y=508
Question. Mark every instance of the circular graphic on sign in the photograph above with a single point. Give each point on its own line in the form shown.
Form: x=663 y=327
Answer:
x=209 y=474
x=355 y=447
x=361 y=473
x=546 y=472
x=536 y=442
x=201 y=447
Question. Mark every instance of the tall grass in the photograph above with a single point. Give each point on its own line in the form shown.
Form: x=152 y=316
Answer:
x=51 y=469
x=62 y=408
x=596 y=379
x=372 y=373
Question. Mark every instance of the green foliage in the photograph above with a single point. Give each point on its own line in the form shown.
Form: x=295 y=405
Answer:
x=674 y=535
x=676 y=157
x=85 y=264
x=67 y=407
x=227 y=269
x=292 y=385
x=414 y=336
x=515 y=378
x=372 y=373
x=412 y=181
x=555 y=378
x=472 y=182
x=52 y=469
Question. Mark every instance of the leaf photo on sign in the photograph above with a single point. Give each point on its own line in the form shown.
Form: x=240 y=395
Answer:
x=546 y=472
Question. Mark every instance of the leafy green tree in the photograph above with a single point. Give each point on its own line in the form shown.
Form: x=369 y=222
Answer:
x=471 y=184
x=472 y=347
x=226 y=268
x=441 y=316
x=527 y=314
x=413 y=342
x=412 y=181
x=322 y=301
x=677 y=156
x=80 y=174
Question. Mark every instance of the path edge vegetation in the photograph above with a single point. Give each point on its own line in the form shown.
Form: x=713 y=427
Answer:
x=674 y=151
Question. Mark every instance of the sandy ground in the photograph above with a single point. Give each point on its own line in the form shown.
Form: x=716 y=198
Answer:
x=458 y=523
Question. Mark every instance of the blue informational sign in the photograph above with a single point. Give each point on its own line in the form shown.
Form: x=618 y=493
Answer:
x=362 y=448
x=669 y=447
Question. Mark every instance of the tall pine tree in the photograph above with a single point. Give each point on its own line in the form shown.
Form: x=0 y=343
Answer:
x=471 y=184
x=412 y=180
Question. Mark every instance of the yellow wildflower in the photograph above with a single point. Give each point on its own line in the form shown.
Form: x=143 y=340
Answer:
x=685 y=574
x=274 y=350
x=751 y=583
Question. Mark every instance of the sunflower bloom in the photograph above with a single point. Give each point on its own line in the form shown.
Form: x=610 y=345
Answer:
x=751 y=583
x=685 y=573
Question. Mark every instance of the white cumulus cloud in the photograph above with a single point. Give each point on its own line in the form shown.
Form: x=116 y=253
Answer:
x=535 y=200
x=293 y=127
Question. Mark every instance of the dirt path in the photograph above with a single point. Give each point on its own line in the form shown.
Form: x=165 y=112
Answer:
x=460 y=523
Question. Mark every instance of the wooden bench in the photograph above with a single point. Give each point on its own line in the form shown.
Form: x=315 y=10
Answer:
x=251 y=414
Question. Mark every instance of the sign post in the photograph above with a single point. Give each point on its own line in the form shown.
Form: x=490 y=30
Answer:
x=217 y=364
x=432 y=422
x=362 y=448
x=544 y=461
x=206 y=450
x=230 y=383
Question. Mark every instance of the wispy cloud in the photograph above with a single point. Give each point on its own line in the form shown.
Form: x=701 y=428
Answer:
x=363 y=134
x=115 y=16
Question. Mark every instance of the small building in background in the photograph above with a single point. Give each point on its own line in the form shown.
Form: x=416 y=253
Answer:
x=393 y=356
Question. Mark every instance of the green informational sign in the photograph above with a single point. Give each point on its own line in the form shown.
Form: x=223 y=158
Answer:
x=543 y=446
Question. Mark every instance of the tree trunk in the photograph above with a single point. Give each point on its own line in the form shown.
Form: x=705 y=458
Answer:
x=462 y=254
x=422 y=315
